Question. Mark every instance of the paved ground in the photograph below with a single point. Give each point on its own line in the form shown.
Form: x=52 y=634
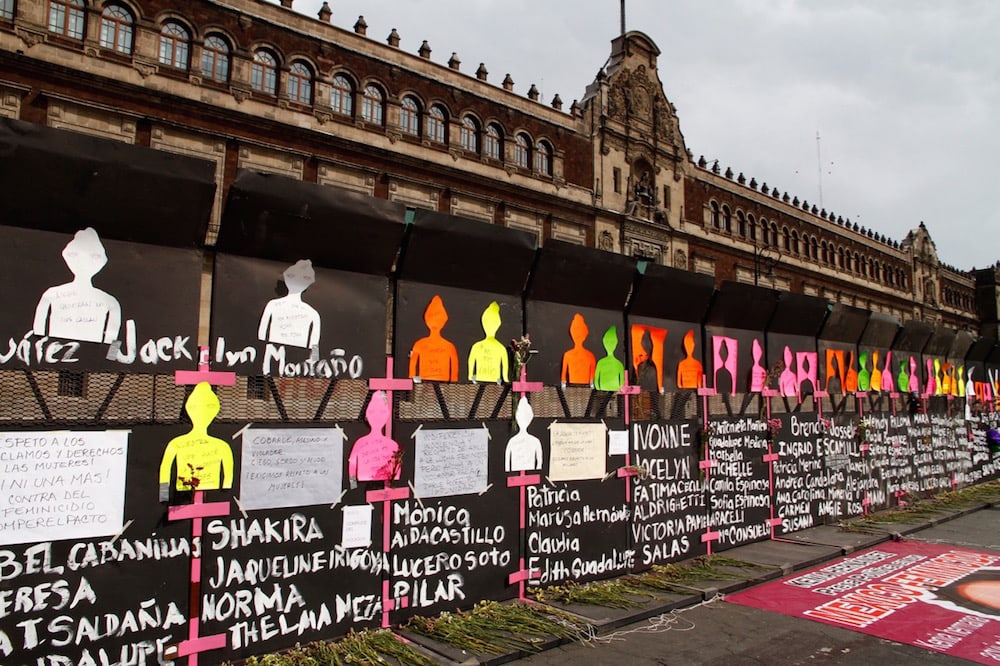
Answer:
x=719 y=633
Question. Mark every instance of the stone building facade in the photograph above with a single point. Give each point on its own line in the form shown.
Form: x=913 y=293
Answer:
x=254 y=85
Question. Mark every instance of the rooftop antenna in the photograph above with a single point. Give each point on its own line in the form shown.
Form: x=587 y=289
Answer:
x=623 y=16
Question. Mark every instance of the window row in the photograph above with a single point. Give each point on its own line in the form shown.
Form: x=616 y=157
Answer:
x=430 y=123
x=810 y=247
x=958 y=299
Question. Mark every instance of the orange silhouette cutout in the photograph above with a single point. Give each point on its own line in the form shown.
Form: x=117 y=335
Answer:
x=434 y=357
x=851 y=383
x=689 y=370
x=647 y=357
x=835 y=371
x=578 y=363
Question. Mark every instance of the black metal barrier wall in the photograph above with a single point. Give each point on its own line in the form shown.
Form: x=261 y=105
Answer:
x=292 y=481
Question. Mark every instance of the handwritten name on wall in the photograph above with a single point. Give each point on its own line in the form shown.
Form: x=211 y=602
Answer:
x=668 y=497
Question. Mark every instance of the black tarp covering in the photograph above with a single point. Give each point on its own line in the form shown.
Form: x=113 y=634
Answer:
x=62 y=181
x=671 y=293
x=283 y=219
x=459 y=252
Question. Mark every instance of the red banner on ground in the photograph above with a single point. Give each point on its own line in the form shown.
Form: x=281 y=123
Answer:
x=939 y=598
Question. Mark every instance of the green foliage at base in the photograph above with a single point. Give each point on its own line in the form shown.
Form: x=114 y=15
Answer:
x=380 y=647
x=493 y=628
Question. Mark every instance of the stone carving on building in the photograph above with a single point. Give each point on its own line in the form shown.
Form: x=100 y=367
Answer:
x=606 y=242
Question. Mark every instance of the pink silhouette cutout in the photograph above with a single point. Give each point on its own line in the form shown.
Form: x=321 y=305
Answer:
x=931 y=387
x=758 y=375
x=787 y=384
x=375 y=457
x=887 y=384
x=914 y=378
x=725 y=357
x=806 y=363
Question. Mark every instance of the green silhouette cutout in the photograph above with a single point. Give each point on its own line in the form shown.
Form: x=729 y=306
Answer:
x=610 y=372
x=864 y=375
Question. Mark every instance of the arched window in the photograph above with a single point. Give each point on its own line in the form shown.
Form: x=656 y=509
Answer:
x=300 y=83
x=825 y=252
x=774 y=234
x=815 y=249
x=409 y=116
x=264 y=72
x=727 y=220
x=543 y=158
x=856 y=266
x=469 y=135
x=342 y=96
x=840 y=257
x=741 y=224
x=215 y=59
x=493 y=142
x=786 y=238
x=66 y=18
x=765 y=233
x=7 y=9
x=796 y=248
x=437 y=124
x=522 y=148
x=174 y=45
x=716 y=219
x=373 y=105
x=117 y=28
x=752 y=227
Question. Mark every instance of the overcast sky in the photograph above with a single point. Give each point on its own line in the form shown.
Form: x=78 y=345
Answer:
x=903 y=93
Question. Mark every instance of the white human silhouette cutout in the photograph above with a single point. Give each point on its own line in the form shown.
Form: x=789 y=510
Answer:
x=289 y=320
x=524 y=450
x=78 y=310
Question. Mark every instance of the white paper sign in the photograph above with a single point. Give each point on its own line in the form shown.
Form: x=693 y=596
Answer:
x=283 y=467
x=357 y=526
x=579 y=451
x=617 y=442
x=62 y=485
x=451 y=462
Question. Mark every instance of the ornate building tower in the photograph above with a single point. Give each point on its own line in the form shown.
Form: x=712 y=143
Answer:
x=639 y=155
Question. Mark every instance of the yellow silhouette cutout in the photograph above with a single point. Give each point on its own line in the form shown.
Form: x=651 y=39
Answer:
x=434 y=357
x=488 y=357
x=578 y=363
x=689 y=370
x=203 y=462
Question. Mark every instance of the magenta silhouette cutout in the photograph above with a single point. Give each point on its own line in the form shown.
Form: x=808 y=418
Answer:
x=806 y=364
x=887 y=384
x=758 y=375
x=725 y=357
x=788 y=384
x=376 y=456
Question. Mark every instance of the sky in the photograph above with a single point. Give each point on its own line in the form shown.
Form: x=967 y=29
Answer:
x=902 y=93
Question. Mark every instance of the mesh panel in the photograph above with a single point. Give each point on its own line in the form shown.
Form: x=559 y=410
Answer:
x=37 y=397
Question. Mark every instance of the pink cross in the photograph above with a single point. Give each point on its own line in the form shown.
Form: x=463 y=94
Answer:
x=203 y=374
